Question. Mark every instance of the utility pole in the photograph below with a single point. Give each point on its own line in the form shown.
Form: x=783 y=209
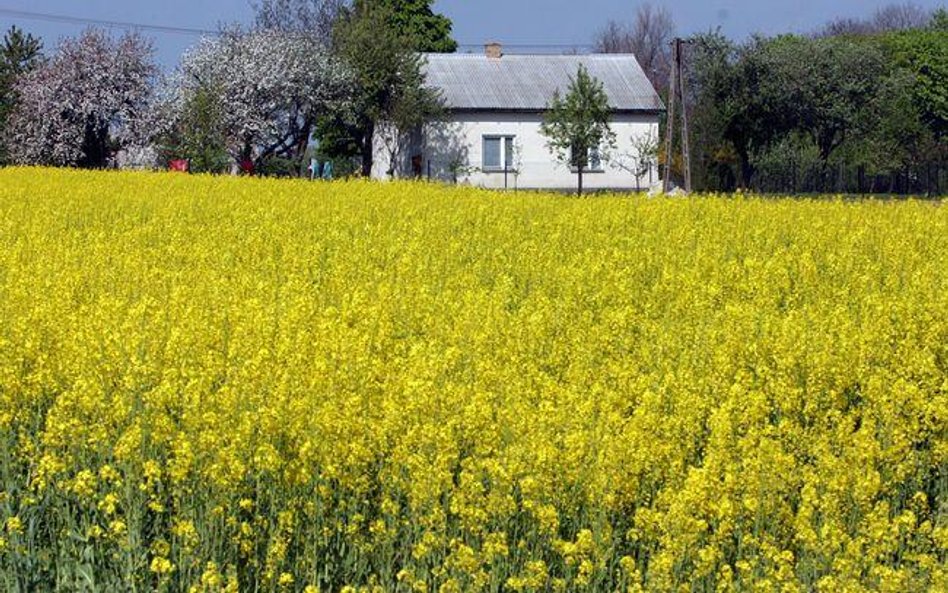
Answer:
x=670 y=122
x=685 y=141
x=676 y=91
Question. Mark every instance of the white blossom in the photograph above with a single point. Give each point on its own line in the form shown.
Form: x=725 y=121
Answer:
x=271 y=85
x=85 y=103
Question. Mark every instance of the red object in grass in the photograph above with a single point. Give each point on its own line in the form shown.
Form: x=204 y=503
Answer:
x=246 y=166
x=179 y=165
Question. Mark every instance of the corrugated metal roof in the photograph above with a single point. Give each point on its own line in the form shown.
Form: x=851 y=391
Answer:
x=527 y=82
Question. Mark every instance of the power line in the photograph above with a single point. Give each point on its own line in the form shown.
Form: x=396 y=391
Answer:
x=75 y=20
x=531 y=45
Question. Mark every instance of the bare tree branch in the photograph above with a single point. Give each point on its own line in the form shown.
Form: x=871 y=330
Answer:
x=300 y=16
x=648 y=38
x=893 y=17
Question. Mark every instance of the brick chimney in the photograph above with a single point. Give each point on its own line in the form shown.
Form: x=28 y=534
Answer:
x=493 y=50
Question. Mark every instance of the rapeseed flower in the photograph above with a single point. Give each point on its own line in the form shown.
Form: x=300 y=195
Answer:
x=214 y=384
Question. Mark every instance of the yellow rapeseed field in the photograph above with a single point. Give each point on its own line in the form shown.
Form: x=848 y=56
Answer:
x=219 y=384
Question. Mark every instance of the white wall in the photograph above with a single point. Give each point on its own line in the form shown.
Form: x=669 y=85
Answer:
x=457 y=145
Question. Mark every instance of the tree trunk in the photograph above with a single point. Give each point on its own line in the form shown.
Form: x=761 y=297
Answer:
x=95 y=150
x=246 y=154
x=301 y=146
x=367 y=152
x=747 y=169
x=579 y=188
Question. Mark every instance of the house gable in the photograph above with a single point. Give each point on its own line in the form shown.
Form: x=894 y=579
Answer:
x=526 y=83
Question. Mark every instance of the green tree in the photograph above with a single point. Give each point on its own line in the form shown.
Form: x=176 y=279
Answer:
x=380 y=41
x=831 y=111
x=19 y=54
x=753 y=98
x=924 y=53
x=198 y=135
x=414 y=19
x=577 y=125
x=939 y=20
x=889 y=134
x=389 y=80
x=712 y=83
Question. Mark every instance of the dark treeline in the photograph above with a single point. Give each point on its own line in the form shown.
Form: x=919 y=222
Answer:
x=860 y=106
x=863 y=110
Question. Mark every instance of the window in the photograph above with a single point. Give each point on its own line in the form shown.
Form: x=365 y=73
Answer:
x=593 y=161
x=498 y=153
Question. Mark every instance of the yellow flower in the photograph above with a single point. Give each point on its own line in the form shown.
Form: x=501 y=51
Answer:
x=84 y=484
x=117 y=527
x=108 y=503
x=211 y=577
x=161 y=565
x=14 y=525
x=518 y=391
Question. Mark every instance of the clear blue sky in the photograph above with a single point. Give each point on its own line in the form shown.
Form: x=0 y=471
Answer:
x=510 y=21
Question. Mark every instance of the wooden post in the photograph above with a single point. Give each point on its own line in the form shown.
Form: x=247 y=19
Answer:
x=676 y=91
x=685 y=148
x=669 y=128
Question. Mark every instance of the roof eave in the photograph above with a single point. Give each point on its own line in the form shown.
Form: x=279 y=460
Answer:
x=533 y=111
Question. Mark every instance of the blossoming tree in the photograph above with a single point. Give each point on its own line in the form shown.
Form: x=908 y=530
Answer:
x=83 y=105
x=268 y=86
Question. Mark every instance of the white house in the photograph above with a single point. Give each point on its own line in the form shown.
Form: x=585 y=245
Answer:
x=491 y=137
